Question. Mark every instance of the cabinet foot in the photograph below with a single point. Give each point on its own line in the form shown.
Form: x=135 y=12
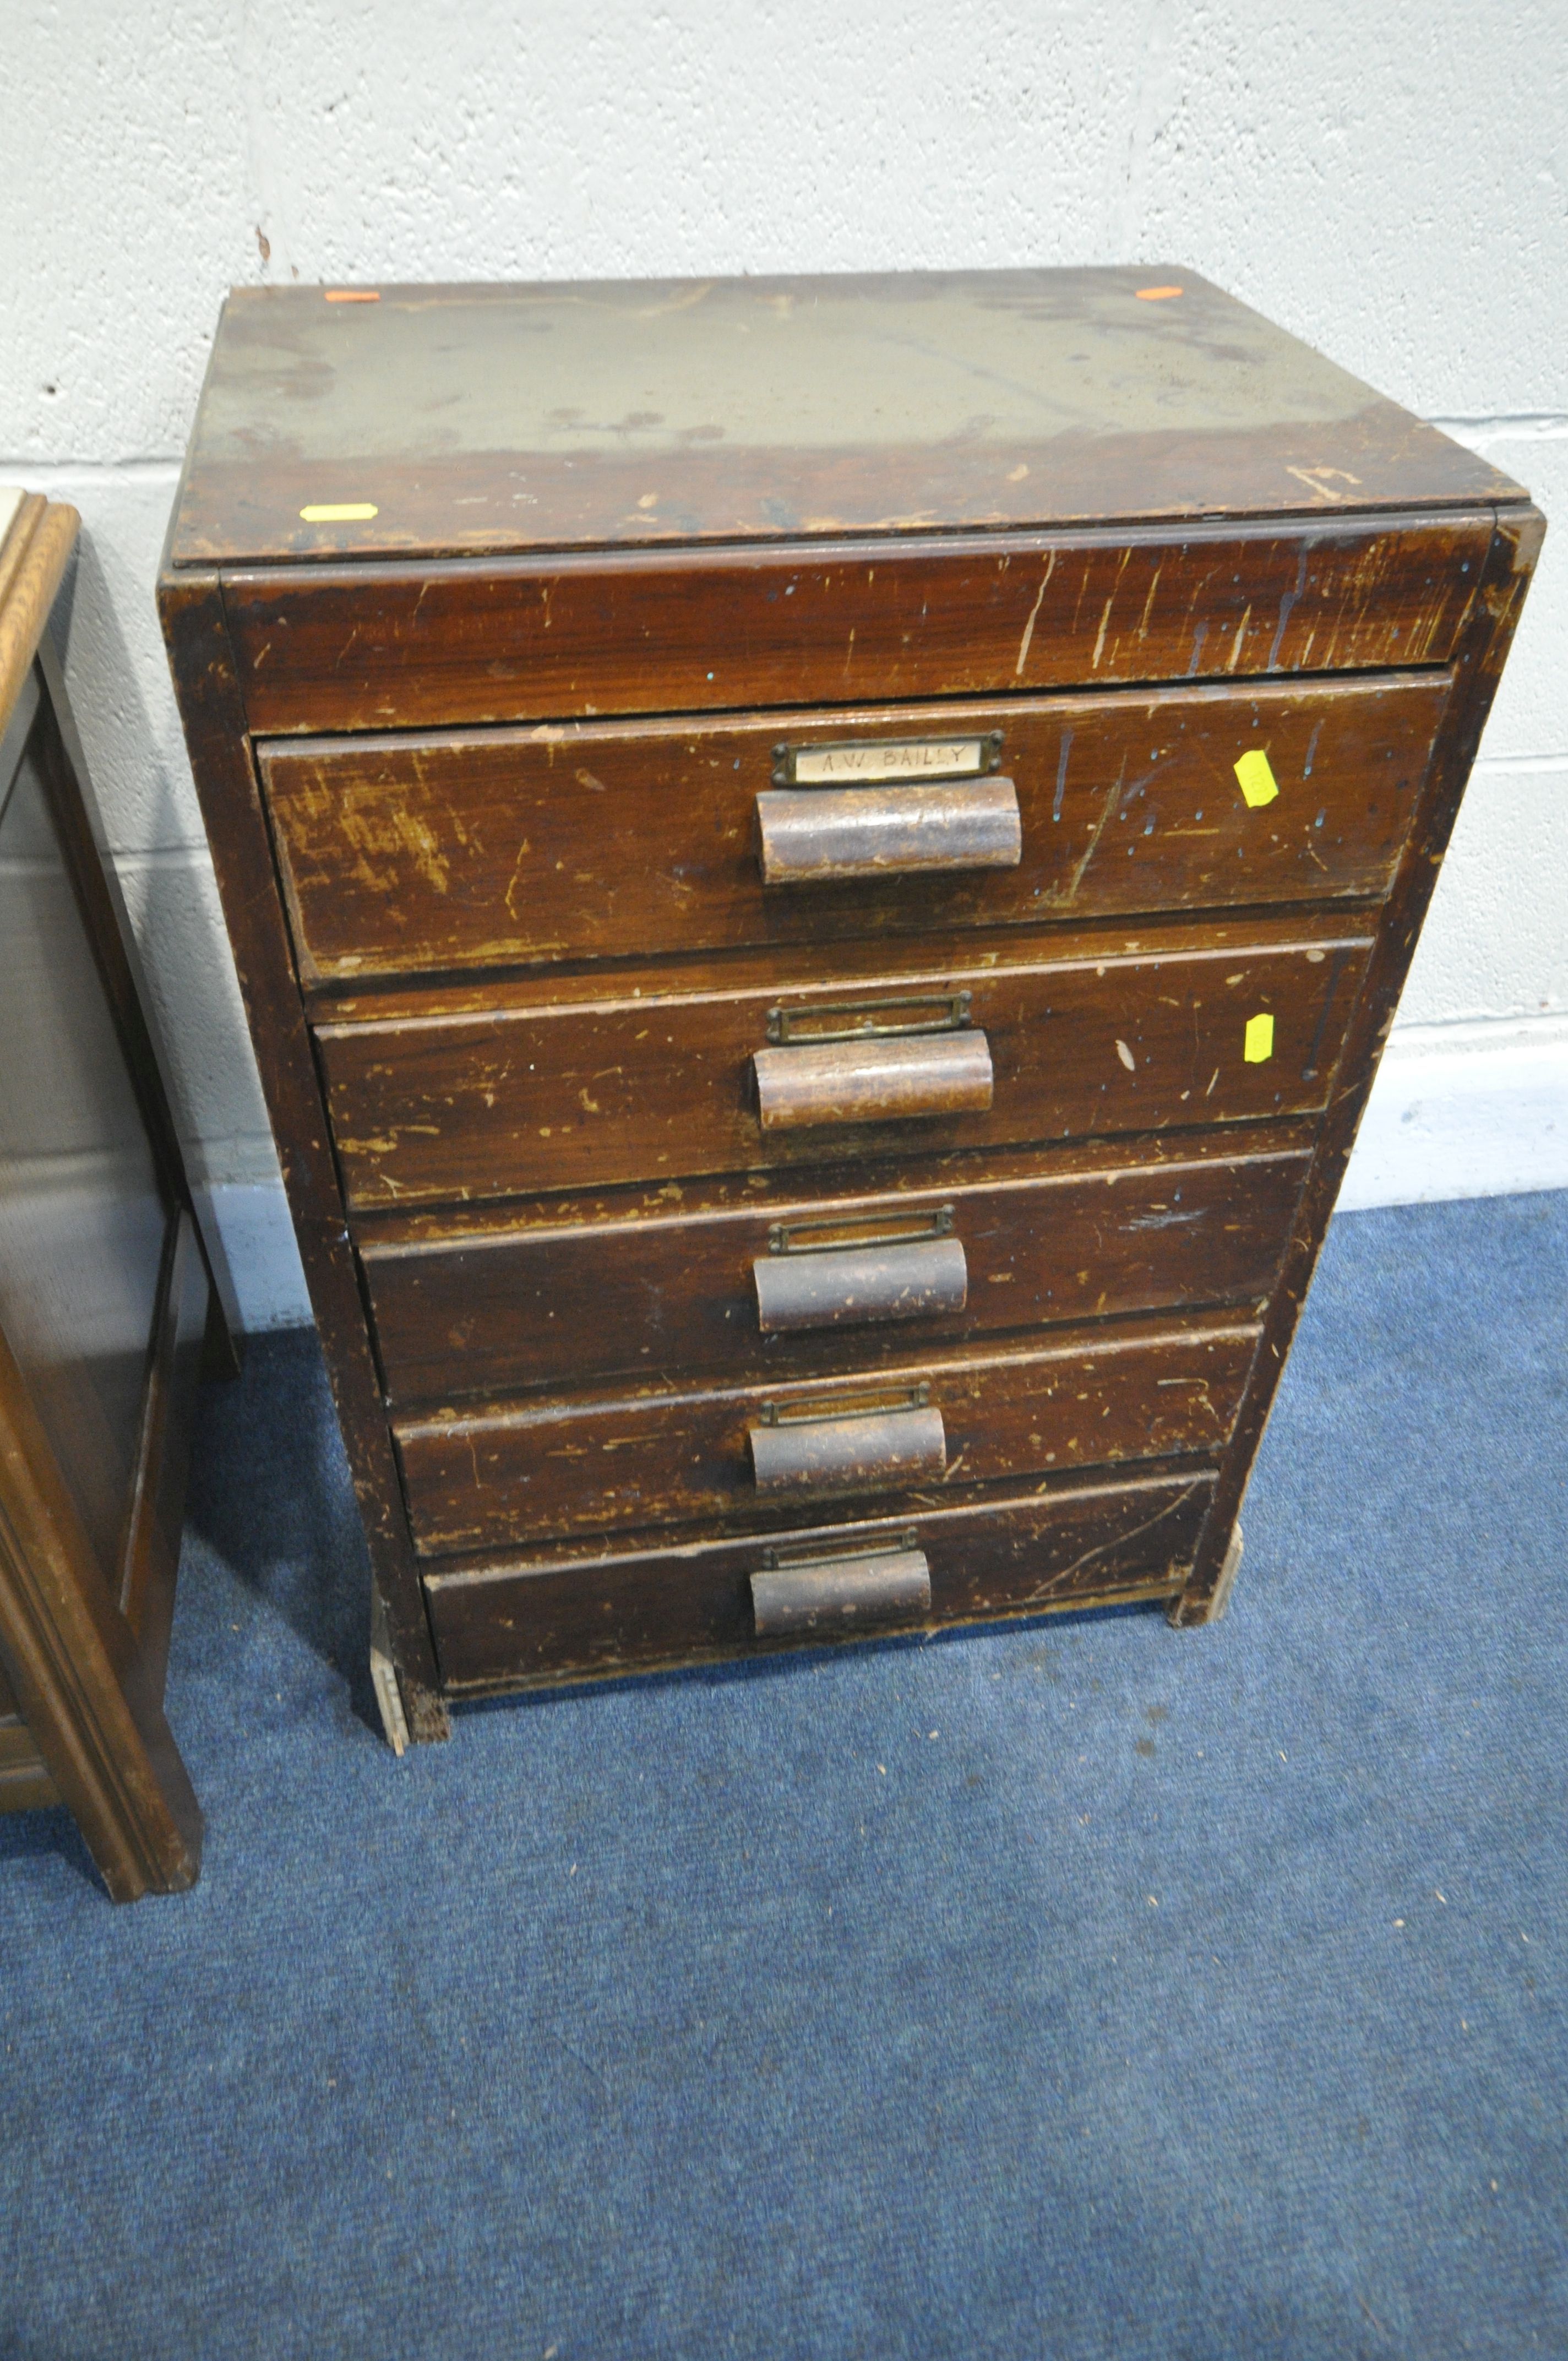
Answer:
x=428 y=1722
x=1187 y=1612
x=384 y=1677
x=411 y=1714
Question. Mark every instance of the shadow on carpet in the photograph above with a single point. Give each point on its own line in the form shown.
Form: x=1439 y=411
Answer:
x=1083 y=1989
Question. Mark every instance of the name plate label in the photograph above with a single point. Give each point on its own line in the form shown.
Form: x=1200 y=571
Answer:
x=870 y=762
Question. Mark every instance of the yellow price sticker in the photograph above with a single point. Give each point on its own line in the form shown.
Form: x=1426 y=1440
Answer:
x=1259 y=1042
x=340 y=512
x=1258 y=784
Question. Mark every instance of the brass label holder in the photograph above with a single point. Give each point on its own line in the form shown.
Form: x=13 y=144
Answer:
x=786 y=1026
x=912 y=1229
x=885 y=1401
x=786 y=1561
x=874 y=763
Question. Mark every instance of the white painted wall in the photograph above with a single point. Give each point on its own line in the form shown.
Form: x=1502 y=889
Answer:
x=1390 y=182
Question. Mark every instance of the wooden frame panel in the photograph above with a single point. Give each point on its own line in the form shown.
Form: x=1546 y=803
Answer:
x=1478 y=665
x=86 y=1669
x=216 y=728
x=84 y=1621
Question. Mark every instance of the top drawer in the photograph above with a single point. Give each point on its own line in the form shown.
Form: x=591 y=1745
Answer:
x=414 y=646
x=403 y=854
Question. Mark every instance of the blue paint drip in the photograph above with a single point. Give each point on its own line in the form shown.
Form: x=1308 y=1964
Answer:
x=1285 y=606
x=1061 y=773
x=1311 y=750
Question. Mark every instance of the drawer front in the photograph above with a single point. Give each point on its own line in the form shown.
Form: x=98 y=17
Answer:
x=521 y=1097
x=422 y=853
x=661 y=1605
x=493 y=1310
x=420 y=645
x=561 y=1468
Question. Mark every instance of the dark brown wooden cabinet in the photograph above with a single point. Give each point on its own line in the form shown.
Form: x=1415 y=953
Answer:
x=105 y=1302
x=819 y=869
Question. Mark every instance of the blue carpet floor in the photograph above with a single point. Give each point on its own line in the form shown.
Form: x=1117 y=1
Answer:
x=1085 y=1989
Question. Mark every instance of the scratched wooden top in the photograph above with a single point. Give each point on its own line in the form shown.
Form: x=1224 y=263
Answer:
x=633 y=413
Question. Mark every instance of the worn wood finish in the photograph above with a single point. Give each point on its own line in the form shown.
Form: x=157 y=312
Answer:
x=463 y=849
x=536 y=1094
x=535 y=707
x=855 y=622
x=580 y=1612
x=1502 y=591
x=213 y=718
x=560 y=1291
x=482 y=1477
x=635 y=413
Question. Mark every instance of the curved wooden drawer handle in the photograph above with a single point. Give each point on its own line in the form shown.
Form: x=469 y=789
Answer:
x=855 y=1286
x=811 y=837
x=841 y=1594
x=870 y=1451
x=873 y=1080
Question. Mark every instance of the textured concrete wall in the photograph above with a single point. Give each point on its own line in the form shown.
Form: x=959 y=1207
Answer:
x=1390 y=183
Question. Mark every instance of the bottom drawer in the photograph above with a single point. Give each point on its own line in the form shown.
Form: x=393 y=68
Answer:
x=587 y=1615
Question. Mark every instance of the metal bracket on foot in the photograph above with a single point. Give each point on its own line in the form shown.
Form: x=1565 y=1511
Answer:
x=384 y=1676
x=1220 y=1598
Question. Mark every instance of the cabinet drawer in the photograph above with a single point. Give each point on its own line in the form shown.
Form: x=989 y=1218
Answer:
x=434 y=644
x=511 y=1095
x=521 y=1470
x=582 y=1611
x=623 y=1287
x=441 y=852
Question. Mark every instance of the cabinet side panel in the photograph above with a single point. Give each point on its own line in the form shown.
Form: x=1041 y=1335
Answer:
x=214 y=719
x=1482 y=653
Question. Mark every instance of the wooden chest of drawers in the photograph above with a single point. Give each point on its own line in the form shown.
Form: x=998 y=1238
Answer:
x=819 y=869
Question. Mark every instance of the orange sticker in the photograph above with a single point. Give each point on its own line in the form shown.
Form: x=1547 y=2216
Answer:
x=352 y=294
x=1158 y=294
